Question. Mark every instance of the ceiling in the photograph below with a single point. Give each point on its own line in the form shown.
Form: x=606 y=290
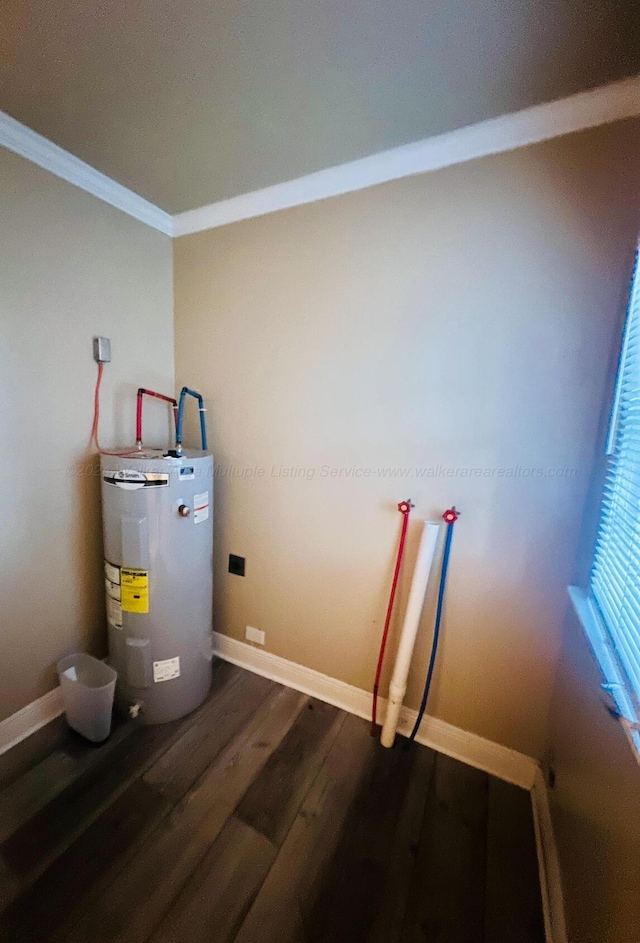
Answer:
x=188 y=102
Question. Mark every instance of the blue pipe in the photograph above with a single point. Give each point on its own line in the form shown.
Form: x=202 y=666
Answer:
x=436 y=630
x=185 y=391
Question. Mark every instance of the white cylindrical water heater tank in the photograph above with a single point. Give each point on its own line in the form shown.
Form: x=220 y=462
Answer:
x=158 y=548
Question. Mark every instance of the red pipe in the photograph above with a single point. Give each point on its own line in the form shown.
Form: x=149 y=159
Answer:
x=167 y=399
x=405 y=509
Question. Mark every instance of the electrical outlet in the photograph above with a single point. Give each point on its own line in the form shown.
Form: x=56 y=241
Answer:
x=236 y=564
x=254 y=635
x=102 y=350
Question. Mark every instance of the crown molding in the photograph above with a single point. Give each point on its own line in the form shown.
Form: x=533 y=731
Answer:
x=39 y=150
x=599 y=106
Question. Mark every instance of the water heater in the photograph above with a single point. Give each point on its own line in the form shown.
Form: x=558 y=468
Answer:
x=158 y=546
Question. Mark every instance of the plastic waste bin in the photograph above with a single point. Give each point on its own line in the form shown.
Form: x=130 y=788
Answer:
x=88 y=686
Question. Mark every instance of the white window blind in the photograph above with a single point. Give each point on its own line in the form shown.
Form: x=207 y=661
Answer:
x=615 y=577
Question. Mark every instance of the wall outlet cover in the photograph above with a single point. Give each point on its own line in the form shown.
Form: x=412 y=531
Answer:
x=236 y=564
x=254 y=635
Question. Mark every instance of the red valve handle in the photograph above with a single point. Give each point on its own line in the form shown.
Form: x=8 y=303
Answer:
x=451 y=516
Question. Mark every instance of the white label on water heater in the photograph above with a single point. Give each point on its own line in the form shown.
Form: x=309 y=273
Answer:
x=166 y=670
x=125 y=478
x=114 y=612
x=111 y=572
x=113 y=590
x=200 y=507
x=131 y=480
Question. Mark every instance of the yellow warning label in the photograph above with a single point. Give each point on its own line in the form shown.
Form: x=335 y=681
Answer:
x=135 y=590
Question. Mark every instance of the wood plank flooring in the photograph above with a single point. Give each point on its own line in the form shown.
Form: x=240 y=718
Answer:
x=264 y=816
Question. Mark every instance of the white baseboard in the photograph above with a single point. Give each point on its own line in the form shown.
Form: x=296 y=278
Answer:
x=31 y=718
x=491 y=757
x=548 y=863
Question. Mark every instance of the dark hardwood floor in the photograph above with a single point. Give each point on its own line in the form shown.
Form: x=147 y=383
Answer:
x=264 y=816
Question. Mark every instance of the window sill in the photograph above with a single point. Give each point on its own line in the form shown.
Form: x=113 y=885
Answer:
x=614 y=683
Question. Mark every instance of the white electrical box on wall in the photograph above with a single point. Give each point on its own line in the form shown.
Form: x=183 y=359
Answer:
x=102 y=350
x=254 y=635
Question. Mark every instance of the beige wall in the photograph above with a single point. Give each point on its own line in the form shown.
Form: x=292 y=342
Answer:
x=70 y=267
x=595 y=803
x=452 y=321
x=597 y=777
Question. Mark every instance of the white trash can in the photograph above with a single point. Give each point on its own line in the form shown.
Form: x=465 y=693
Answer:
x=88 y=686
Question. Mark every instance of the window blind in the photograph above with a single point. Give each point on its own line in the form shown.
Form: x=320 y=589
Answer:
x=615 y=577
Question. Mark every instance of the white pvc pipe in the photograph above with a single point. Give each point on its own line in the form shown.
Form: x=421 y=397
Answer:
x=398 y=686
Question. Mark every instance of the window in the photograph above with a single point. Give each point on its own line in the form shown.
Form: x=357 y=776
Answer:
x=615 y=577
